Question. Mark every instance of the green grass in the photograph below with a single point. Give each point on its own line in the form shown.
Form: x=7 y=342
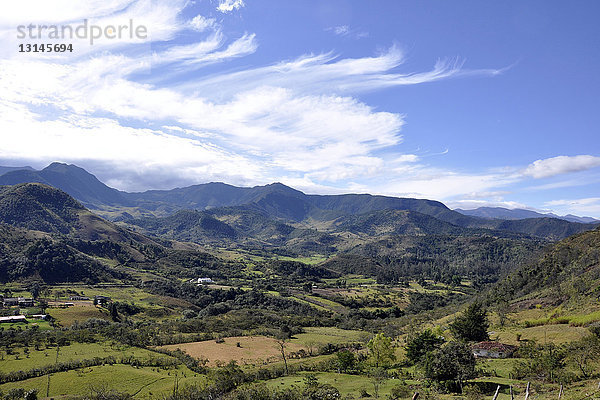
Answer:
x=78 y=313
x=346 y=384
x=314 y=259
x=499 y=367
x=41 y=324
x=22 y=361
x=321 y=336
x=557 y=334
x=141 y=382
x=574 y=320
x=316 y=306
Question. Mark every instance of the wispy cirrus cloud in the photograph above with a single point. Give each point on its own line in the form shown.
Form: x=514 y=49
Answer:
x=115 y=106
x=346 y=31
x=327 y=73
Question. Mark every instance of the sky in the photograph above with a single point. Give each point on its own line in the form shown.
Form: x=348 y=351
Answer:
x=470 y=103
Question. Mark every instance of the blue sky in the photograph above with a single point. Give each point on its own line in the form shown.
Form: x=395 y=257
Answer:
x=470 y=103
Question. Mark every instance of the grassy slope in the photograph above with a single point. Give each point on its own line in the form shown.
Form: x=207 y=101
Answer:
x=142 y=382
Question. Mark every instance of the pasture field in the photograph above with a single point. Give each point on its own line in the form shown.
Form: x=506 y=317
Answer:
x=312 y=304
x=345 y=383
x=41 y=324
x=23 y=360
x=314 y=259
x=252 y=350
x=142 y=382
x=320 y=302
x=557 y=334
x=80 y=312
x=321 y=336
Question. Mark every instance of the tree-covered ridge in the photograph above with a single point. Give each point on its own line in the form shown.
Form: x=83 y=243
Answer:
x=24 y=254
x=571 y=266
x=39 y=207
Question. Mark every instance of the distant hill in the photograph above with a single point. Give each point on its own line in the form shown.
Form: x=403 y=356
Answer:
x=396 y=222
x=43 y=208
x=278 y=203
x=4 y=170
x=518 y=213
x=47 y=235
x=240 y=226
x=71 y=179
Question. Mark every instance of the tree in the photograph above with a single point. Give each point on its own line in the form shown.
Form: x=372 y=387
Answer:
x=281 y=341
x=472 y=324
x=114 y=313
x=544 y=362
x=452 y=364
x=378 y=377
x=35 y=290
x=381 y=351
x=346 y=360
x=421 y=344
x=584 y=352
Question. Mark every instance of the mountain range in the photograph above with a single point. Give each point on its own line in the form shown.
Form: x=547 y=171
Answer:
x=46 y=232
x=520 y=213
x=275 y=213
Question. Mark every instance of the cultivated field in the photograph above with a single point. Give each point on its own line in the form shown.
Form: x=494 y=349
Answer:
x=252 y=350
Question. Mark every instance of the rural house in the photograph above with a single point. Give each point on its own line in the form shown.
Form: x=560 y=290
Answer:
x=26 y=302
x=203 y=280
x=493 y=350
x=101 y=300
x=13 y=318
x=10 y=301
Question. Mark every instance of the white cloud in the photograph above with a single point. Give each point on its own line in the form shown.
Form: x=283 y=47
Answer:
x=326 y=73
x=407 y=158
x=560 y=165
x=201 y=23
x=472 y=204
x=346 y=31
x=298 y=119
x=137 y=150
x=342 y=30
x=586 y=206
x=226 y=6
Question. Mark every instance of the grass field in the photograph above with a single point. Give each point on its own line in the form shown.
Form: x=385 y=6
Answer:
x=81 y=311
x=140 y=382
x=23 y=361
x=41 y=324
x=346 y=384
x=319 y=302
x=252 y=350
x=321 y=336
x=557 y=334
x=315 y=259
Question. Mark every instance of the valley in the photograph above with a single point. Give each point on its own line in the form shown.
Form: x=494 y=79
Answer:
x=215 y=291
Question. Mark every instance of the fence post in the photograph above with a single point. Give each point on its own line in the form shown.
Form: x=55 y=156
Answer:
x=496 y=394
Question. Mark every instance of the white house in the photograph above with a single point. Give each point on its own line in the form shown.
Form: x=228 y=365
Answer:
x=13 y=318
x=204 y=280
